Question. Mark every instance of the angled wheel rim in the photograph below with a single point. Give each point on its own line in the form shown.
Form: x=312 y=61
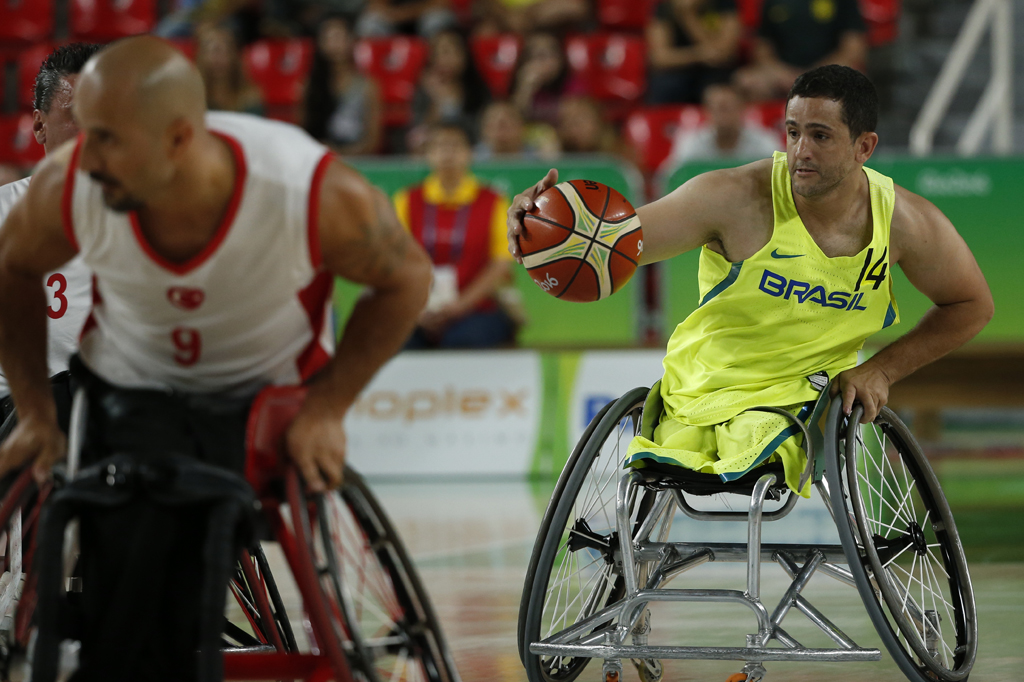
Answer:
x=924 y=599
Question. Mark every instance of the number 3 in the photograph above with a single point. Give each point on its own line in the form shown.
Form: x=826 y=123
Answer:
x=189 y=344
x=58 y=295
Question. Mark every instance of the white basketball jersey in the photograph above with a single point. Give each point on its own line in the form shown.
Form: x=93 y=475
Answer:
x=251 y=309
x=68 y=293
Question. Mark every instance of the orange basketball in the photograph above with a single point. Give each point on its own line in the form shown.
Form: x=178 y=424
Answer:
x=582 y=241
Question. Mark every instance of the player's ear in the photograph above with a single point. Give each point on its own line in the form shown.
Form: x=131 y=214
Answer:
x=864 y=146
x=179 y=137
x=39 y=127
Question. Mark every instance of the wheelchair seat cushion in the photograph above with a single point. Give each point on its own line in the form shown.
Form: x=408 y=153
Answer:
x=672 y=476
x=728 y=450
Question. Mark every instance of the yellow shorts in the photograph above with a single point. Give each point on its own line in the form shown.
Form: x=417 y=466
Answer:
x=731 y=448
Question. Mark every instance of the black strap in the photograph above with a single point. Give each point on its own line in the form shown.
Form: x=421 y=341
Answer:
x=167 y=480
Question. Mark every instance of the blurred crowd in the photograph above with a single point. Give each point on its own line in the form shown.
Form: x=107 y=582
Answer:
x=528 y=78
x=657 y=82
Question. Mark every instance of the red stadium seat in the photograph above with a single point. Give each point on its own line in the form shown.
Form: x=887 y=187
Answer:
x=105 y=20
x=279 y=69
x=882 y=18
x=496 y=58
x=624 y=15
x=750 y=14
x=25 y=21
x=613 y=65
x=29 y=61
x=652 y=130
x=750 y=19
x=18 y=145
x=395 y=63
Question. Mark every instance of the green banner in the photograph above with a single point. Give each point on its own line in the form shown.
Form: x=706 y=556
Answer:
x=550 y=322
x=982 y=197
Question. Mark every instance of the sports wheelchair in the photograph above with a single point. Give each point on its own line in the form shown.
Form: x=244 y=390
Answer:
x=365 y=615
x=603 y=554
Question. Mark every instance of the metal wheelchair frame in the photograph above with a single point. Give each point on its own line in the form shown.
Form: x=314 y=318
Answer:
x=647 y=562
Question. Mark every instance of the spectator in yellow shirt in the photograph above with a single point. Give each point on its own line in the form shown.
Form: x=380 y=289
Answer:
x=461 y=223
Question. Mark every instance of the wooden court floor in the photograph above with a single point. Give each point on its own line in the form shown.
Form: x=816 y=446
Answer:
x=471 y=542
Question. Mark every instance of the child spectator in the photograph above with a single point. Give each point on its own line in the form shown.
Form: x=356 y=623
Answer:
x=796 y=35
x=220 y=63
x=461 y=222
x=502 y=133
x=583 y=130
x=542 y=78
x=726 y=135
x=342 y=106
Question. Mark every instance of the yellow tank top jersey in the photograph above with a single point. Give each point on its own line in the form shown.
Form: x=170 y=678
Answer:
x=763 y=326
x=789 y=311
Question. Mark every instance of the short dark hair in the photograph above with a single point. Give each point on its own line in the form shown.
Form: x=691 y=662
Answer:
x=852 y=89
x=65 y=61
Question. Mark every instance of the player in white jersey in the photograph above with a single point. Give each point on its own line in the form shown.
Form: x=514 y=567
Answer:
x=214 y=241
x=69 y=288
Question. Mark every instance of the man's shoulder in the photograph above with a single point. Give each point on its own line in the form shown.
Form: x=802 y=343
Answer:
x=267 y=144
x=912 y=217
x=749 y=181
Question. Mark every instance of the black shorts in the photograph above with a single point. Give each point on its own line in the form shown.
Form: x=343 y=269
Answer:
x=209 y=427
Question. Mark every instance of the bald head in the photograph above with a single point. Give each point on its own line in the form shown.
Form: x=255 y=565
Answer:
x=141 y=107
x=150 y=80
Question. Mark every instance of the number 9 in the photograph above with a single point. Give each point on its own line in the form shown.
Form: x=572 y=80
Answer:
x=189 y=345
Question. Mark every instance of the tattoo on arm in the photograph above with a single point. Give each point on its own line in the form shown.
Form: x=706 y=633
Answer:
x=378 y=249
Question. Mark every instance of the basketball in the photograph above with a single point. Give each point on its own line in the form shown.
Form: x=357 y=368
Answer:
x=581 y=241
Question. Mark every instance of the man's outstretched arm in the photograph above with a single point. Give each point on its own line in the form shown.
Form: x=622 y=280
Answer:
x=362 y=241
x=32 y=243
x=939 y=264
x=713 y=206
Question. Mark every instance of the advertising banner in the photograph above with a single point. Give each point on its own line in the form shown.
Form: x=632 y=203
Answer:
x=603 y=376
x=463 y=413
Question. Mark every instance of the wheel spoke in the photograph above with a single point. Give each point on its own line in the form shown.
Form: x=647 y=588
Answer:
x=913 y=579
x=394 y=638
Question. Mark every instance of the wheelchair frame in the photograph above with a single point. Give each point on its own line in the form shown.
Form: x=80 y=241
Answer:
x=338 y=650
x=645 y=561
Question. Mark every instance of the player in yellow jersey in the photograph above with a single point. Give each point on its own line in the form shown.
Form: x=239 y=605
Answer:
x=795 y=273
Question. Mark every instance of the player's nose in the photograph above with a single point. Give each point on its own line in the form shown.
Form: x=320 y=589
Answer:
x=801 y=147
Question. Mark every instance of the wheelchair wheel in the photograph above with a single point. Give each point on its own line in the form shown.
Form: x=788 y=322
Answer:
x=14 y=536
x=902 y=545
x=388 y=624
x=573 y=573
x=556 y=495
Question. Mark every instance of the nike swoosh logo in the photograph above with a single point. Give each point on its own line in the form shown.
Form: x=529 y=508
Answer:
x=776 y=254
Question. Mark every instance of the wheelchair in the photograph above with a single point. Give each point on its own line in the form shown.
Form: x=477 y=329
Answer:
x=603 y=554
x=365 y=615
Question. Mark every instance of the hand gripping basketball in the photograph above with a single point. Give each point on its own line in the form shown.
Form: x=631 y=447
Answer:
x=581 y=241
